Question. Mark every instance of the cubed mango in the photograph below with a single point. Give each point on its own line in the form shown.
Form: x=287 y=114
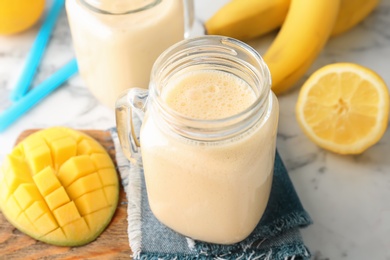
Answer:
x=59 y=186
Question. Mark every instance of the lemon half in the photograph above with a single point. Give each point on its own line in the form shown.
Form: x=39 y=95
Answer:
x=344 y=108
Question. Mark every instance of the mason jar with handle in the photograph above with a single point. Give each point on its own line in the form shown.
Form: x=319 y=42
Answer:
x=117 y=41
x=205 y=135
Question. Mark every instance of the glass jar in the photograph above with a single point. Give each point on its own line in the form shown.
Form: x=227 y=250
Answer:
x=208 y=179
x=117 y=41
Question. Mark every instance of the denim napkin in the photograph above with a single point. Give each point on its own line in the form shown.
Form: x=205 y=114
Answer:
x=276 y=236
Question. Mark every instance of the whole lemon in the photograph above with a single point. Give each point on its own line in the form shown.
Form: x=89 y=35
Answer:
x=19 y=15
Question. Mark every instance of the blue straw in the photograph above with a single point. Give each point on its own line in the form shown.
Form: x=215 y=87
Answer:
x=36 y=94
x=36 y=52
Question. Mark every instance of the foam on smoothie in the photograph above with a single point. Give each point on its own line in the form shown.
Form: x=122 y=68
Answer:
x=208 y=95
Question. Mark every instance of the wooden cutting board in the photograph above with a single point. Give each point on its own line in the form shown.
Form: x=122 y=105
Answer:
x=111 y=244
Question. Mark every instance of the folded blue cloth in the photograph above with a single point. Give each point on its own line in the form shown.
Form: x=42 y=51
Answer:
x=275 y=237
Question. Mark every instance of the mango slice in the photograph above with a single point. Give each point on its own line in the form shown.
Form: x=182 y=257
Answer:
x=59 y=186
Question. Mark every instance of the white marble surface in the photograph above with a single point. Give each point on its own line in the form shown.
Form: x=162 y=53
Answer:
x=347 y=196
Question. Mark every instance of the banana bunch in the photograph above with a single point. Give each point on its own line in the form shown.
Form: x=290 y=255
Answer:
x=306 y=25
x=248 y=19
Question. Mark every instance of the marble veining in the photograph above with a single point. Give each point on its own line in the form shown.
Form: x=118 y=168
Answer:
x=347 y=196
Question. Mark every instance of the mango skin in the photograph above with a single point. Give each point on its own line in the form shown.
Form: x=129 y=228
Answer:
x=59 y=186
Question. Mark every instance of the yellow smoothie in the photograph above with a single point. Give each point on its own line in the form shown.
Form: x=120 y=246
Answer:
x=117 y=51
x=211 y=191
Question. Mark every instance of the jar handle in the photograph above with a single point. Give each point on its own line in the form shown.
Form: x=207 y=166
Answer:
x=189 y=17
x=129 y=113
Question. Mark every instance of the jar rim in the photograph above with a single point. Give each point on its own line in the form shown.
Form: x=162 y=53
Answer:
x=223 y=46
x=93 y=5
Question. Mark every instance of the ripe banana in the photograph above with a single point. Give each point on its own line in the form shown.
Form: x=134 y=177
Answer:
x=305 y=31
x=248 y=19
x=351 y=13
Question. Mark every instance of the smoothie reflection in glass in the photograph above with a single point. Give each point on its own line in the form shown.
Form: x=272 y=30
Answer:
x=207 y=138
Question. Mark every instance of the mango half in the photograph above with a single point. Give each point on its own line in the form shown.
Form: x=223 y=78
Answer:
x=59 y=186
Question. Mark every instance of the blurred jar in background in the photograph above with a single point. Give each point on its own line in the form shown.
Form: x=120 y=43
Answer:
x=117 y=41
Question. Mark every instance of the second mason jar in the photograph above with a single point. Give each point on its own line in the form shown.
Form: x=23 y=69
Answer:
x=207 y=138
x=117 y=41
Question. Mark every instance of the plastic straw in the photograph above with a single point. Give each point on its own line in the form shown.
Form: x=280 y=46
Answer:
x=36 y=94
x=36 y=52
